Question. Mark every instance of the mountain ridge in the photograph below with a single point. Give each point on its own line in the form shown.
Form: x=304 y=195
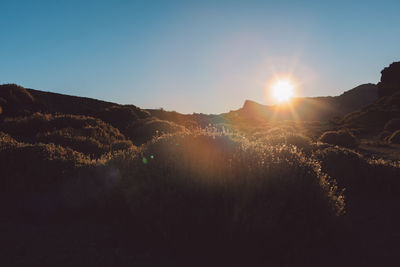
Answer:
x=311 y=108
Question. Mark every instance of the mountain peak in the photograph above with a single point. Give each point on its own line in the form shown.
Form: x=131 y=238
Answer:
x=390 y=80
x=249 y=104
x=314 y=108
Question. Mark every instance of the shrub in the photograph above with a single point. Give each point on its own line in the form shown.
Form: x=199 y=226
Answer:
x=16 y=100
x=84 y=134
x=86 y=145
x=211 y=190
x=369 y=185
x=393 y=125
x=38 y=122
x=90 y=140
x=121 y=116
x=278 y=136
x=298 y=140
x=340 y=138
x=144 y=130
x=46 y=182
x=35 y=167
x=6 y=140
x=15 y=93
x=277 y=131
x=384 y=135
x=121 y=145
x=395 y=137
x=343 y=164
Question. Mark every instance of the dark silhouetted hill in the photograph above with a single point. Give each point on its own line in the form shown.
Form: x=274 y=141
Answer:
x=119 y=116
x=84 y=124
x=301 y=109
x=66 y=104
x=390 y=80
x=372 y=118
x=308 y=108
x=16 y=100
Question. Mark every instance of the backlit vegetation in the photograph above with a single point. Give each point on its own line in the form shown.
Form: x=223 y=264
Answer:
x=88 y=135
x=211 y=190
x=340 y=138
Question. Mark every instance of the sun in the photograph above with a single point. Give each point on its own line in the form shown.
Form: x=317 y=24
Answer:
x=282 y=90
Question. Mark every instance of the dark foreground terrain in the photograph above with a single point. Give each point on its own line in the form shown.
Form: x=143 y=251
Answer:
x=92 y=183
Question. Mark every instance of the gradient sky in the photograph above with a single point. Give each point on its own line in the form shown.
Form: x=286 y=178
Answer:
x=195 y=56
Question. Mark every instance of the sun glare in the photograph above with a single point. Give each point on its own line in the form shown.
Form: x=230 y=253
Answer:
x=282 y=90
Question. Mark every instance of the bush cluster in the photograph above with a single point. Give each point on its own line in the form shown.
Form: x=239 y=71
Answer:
x=395 y=137
x=340 y=138
x=143 y=131
x=384 y=135
x=211 y=190
x=31 y=167
x=367 y=182
x=258 y=193
x=15 y=100
x=393 y=125
x=88 y=135
x=282 y=136
x=121 y=116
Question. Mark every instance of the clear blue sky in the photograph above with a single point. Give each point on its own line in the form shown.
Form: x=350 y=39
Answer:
x=195 y=56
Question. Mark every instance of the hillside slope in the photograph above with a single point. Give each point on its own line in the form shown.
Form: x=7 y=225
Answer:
x=310 y=108
x=300 y=109
x=372 y=118
x=86 y=125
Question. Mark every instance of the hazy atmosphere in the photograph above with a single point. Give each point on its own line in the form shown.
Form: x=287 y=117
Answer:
x=195 y=56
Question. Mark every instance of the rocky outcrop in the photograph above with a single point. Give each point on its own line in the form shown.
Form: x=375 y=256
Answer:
x=390 y=80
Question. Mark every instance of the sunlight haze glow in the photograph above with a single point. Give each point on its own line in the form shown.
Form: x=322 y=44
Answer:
x=283 y=90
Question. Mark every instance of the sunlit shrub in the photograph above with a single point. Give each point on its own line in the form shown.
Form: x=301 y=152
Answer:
x=15 y=100
x=278 y=136
x=276 y=131
x=384 y=135
x=340 y=138
x=144 y=130
x=366 y=182
x=86 y=145
x=204 y=189
x=43 y=181
x=298 y=140
x=395 y=137
x=95 y=142
x=393 y=125
x=38 y=122
x=121 y=116
x=6 y=140
x=88 y=135
x=343 y=164
x=34 y=167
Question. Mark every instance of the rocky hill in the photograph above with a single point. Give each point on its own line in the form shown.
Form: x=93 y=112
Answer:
x=372 y=118
x=309 y=108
